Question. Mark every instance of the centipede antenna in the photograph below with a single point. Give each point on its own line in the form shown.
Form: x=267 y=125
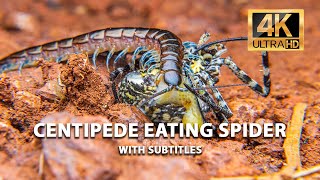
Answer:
x=222 y=86
x=220 y=41
x=155 y=95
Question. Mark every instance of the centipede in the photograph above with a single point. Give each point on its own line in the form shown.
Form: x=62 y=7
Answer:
x=168 y=80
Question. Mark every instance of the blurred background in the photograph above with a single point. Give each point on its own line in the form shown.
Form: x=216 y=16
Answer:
x=39 y=21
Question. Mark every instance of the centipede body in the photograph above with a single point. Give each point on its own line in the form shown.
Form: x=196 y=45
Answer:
x=167 y=43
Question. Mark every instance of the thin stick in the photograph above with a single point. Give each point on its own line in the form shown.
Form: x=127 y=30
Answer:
x=291 y=144
x=221 y=86
x=306 y=172
x=220 y=41
x=41 y=164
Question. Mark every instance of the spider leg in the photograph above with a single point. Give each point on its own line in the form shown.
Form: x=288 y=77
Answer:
x=143 y=102
x=221 y=102
x=114 y=76
x=217 y=109
x=263 y=91
x=220 y=112
x=190 y=78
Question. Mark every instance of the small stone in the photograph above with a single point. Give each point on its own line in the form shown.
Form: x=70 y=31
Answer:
x=81 y=10
x=226 y=160
x=80 y=158
x=52 y=91
x=20 y=21
x=272 y=149
x=9 y=138
x=119 y=11
x=24 y=98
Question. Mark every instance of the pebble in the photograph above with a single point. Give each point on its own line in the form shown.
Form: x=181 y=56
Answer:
x=24 y=98
x=20 y=21
x=52 y=91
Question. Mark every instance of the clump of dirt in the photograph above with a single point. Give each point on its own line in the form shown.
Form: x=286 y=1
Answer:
x=5 y=90
x=19 y=104
x=85 y=88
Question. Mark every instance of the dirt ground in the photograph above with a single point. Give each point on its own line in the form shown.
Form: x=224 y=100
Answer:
x=27 y=99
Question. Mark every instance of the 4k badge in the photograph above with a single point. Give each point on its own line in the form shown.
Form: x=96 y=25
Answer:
x=275 y=29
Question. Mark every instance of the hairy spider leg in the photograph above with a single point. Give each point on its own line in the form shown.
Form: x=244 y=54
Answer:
x=263 y=91
x=114 y=76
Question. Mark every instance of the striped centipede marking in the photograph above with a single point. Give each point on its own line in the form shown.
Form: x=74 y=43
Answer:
x=170 y=46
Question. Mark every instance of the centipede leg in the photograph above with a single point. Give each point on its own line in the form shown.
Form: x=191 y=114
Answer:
x=58 y=59
x=120 y=55
x=135 y=53
x=62 y=58
x=21 y=66
x=94 y=57
x=190 y=45
x=152 y=67
x=151 y=60
x=145 y=56
x=110 y=54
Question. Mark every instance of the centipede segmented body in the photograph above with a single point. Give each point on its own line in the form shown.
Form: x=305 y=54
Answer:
x=168 y=80
x=112 y=40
